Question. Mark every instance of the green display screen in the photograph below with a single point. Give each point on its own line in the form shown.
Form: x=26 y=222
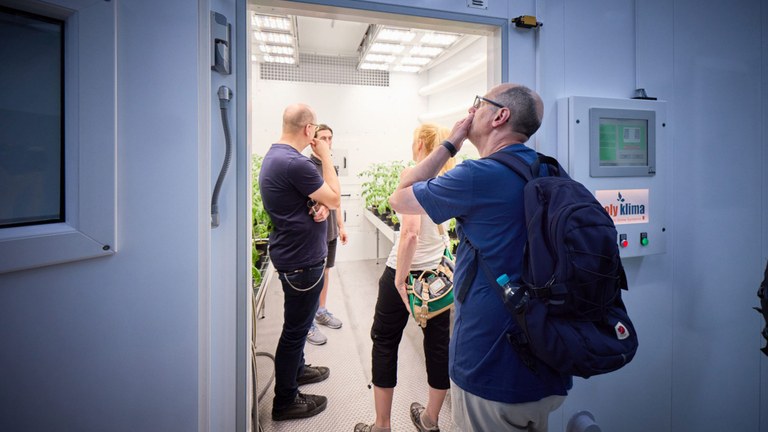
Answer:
x=623 y=142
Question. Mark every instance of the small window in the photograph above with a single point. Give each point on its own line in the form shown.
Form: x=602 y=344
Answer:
x=58 y=123
x=31 y=119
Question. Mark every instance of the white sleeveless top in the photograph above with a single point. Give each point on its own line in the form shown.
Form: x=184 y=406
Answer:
x=429 y=247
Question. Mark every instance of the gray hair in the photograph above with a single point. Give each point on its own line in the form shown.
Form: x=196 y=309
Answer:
x=525 y=108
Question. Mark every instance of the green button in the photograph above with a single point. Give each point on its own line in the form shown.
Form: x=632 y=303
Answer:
x=644 y=241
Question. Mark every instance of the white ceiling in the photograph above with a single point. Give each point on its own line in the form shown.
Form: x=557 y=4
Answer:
x=329 y=36
x=337 y=33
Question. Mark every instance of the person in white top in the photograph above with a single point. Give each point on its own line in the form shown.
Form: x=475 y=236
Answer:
x=419 y=247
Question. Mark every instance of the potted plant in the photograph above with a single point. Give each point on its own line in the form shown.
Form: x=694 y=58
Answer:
x=380 y=181
x=394 y=222
x=453 y=238
x=261 y=222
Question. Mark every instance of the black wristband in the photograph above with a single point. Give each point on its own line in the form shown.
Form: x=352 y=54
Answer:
x=450 y=147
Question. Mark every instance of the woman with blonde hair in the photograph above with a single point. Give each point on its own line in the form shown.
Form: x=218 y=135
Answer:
x=419 y=247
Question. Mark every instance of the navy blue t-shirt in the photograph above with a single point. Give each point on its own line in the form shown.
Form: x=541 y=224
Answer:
x=286 y=180
x=486 y=198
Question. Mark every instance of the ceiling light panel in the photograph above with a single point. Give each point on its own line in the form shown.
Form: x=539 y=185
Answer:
x=387 y=48
x=279 y=59
x=274 y=38
x=379 y=58
x=394 y=35
x=414 y=50
x=439 y=39
x=268 y=22
x=277 y=39
x=277 y=49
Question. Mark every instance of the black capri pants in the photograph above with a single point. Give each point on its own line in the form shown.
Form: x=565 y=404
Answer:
x=389 y=321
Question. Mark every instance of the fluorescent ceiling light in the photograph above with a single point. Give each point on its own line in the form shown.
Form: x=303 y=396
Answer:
x=404 y=49
x=426 y=51
x=271 y=22
x=276 y=49
x=276 y=38
x=441 y=39
x=379 y=58
x=279 y=59
x=395 y=35
x=387 y=48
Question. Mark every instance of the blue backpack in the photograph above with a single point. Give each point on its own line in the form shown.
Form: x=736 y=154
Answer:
x=568 y=304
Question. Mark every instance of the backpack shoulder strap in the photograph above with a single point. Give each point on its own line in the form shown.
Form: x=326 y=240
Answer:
x=509 y=302
x=517 y=164
x=529 y=171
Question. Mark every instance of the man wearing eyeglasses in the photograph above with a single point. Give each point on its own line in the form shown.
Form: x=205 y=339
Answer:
x=491 y=388
x=298 y=199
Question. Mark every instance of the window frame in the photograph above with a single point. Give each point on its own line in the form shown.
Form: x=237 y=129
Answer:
x=61 y=216
x=90 y=143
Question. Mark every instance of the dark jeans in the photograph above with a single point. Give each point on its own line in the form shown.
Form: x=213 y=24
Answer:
x=299 y=310
x=389 y=321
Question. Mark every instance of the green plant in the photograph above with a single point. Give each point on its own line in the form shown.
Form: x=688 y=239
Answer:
x=380 y=181
x=260 y=221
x=255 y=271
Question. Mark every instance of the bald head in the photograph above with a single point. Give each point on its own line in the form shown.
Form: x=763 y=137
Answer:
x=296 y=117
x=525 y=105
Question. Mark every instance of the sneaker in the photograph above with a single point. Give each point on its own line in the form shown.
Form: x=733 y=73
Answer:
x=362 y=427
x=313 y=374
x=315 y=337
x=327 y=319
x=416 y=410
x=305 y=405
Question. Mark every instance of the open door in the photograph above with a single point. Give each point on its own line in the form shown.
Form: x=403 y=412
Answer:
x=326 y=55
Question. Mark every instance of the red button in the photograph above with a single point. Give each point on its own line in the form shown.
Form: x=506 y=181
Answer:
x=624 y=243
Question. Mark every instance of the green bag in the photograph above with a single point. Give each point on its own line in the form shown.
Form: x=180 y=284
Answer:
x=431 y=293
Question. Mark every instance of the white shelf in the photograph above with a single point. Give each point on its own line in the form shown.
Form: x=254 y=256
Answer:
x=383 y=228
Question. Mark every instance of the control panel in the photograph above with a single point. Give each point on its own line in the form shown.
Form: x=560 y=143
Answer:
x=616 y=148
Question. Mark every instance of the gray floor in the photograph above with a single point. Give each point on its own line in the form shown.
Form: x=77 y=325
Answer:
x=351 y=297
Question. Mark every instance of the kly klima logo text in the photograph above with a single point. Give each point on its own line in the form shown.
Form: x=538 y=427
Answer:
x=624 y=208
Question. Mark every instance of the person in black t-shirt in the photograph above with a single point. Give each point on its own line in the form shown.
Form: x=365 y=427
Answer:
x=298 y=199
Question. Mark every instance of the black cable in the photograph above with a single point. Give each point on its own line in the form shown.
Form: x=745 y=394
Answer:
x=225 y=94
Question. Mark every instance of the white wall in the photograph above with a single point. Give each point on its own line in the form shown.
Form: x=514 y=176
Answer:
x=371 y=123
x=460 y=96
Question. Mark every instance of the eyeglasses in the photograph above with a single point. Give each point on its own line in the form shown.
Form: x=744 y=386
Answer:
x=312 y=204
x=317 y=126
x=480 y=99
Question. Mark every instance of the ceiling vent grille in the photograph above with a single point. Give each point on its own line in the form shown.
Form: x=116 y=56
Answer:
x=315 y=68
x=477 y=4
